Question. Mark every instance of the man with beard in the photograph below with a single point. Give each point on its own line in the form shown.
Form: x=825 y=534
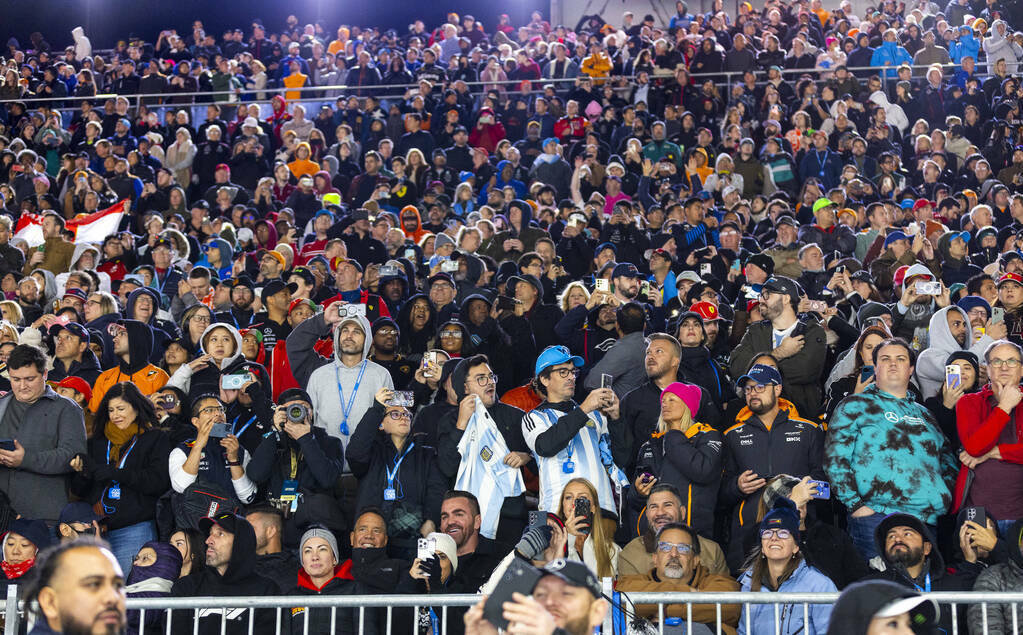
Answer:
x=623 y=361
x=79 y=591
x=477 y=556
x=29 y=300
x=229 y=572
x=677 y=568
x=298 y=457
x=393 y=286
x=568 y=598
x=642 y=406
x=911 y=558
x=664 y=506
x=503 y=517
x=768 y=438
x=590 y=329
x=800 y=347
x=271 y=265
x=243 y=294
x=349 y=276
x=385 y=352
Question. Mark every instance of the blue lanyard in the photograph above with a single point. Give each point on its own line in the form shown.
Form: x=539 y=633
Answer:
x=391 y=474
x=124 y=457
x=927 y=584
x=347 y=409
x=234 y=424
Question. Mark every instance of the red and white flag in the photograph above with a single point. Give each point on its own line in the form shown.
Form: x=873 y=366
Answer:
x=89 y=228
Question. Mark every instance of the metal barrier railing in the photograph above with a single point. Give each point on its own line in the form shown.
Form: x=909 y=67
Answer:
x=175 y=607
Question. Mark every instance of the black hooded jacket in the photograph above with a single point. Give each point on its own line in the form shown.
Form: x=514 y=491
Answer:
x=578 y=329
x=240 y=579
x=163 y=330
x=88 y=369
x=413 y=344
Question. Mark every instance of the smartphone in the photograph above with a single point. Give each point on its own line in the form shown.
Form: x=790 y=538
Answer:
x=537 y=519
x=449 y=266
x=582 y=508
x=736 y=265
x=403 y=398
x=953 y=376
x=220 y=430
x=504 y=303
x=975 y=514
x=429 y=357
x=866 y=373
x=7 y=444
x=928 y=288
x=644 y=288
x=606 y=380
x=706 y=269
x=602 y=284
x=701 y=252
x=233 y=382
x=823 y=490
x=840 y=269
x=818 y=306
x=997 y=314
x=519 y=577
x=426 y=548
x=646 y=477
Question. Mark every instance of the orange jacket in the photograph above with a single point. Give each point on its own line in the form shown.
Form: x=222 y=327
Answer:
x=597 y=66
x=148 y=380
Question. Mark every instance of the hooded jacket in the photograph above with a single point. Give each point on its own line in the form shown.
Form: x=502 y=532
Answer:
x=320 y=619
x=998 y=47
x=930 y=365
x=226 y=258
x=529 y=234
x=80 y=250
x=147 y=377
x=416 y=232
x=894 y=114
x=891 y=54
x=163 y=331
x=954 y=270
x=239 y=580
x=935 y=576
x=88 y=369
x=888 y=453
x=578 y=329
x=966 y=44
x=325 y=379
x=1000 y=578
x=207 y=379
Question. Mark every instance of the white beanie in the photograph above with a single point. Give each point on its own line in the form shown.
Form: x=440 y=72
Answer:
x=446 y=545
x=326 y=534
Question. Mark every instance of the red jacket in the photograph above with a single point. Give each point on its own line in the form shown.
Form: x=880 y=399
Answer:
x=980 y=421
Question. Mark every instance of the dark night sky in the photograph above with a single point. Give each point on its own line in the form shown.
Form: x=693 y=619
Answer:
x=106 y=21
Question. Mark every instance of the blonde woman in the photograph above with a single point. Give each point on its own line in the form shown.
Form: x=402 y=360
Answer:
x=180 y=155
x=11 y=312
x=575 y=294
x=590 y=537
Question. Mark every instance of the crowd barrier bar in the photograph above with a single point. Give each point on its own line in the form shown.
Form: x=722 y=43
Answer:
x=948 y=601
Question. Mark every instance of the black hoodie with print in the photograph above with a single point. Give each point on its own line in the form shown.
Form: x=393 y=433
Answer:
x=239 y=580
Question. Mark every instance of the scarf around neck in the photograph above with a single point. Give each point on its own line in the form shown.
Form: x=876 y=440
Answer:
x=118 y=437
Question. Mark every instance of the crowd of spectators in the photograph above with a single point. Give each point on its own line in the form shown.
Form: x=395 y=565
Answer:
x=732 y=302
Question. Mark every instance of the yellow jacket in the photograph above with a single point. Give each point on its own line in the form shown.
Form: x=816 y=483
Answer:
x=597 y=66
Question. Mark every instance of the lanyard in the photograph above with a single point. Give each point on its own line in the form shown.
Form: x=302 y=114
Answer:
x=294 y=465
x=391 y=474
x=927 y=584
x=124 y=457
x=234 y=424
x=821 y=161
x=347 y=409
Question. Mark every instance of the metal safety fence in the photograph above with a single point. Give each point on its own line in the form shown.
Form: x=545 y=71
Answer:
x=781 y=604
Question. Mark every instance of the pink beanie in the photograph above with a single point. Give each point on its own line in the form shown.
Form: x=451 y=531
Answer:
x=688 y=393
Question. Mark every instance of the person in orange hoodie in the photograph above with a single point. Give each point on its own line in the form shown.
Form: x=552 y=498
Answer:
x=296 y=79
x=412 y=223
x=597 y=64
x=302 y=166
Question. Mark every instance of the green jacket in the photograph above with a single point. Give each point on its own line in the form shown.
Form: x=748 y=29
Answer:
x=657 y=150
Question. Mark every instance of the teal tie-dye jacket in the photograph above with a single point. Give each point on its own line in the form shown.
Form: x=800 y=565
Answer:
x=889 y=454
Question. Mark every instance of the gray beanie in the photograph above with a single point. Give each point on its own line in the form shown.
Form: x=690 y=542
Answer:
x=441 y=240
x=320 y=532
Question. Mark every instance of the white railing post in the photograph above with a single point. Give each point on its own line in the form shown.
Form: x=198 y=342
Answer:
x=11 y=615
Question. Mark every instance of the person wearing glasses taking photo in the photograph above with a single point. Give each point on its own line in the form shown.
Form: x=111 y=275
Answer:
x=397 y=473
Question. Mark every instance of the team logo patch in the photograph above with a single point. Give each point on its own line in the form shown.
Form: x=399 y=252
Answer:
x=486 y=453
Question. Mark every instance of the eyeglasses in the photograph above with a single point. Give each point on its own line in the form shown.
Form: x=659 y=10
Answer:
x=1004 y=363
x=780 y=534
x=565 y=373
x=455 y=334
x=484 y=380
x=210 y=410
x=202 y=318
x=756 y=388
x=91 y=301
x=399 y=415
x=682 y=548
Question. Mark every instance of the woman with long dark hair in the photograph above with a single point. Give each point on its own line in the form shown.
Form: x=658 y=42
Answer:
x=124 y=469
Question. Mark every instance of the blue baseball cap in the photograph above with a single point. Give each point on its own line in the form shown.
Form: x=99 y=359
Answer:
x=760 y=374
x=907 y=203
x=554 y=355
x=964 y=235
x=548 y=140
x=893 y=236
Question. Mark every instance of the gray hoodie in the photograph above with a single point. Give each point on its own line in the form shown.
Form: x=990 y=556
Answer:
x=930 y=365
x=329 y=378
